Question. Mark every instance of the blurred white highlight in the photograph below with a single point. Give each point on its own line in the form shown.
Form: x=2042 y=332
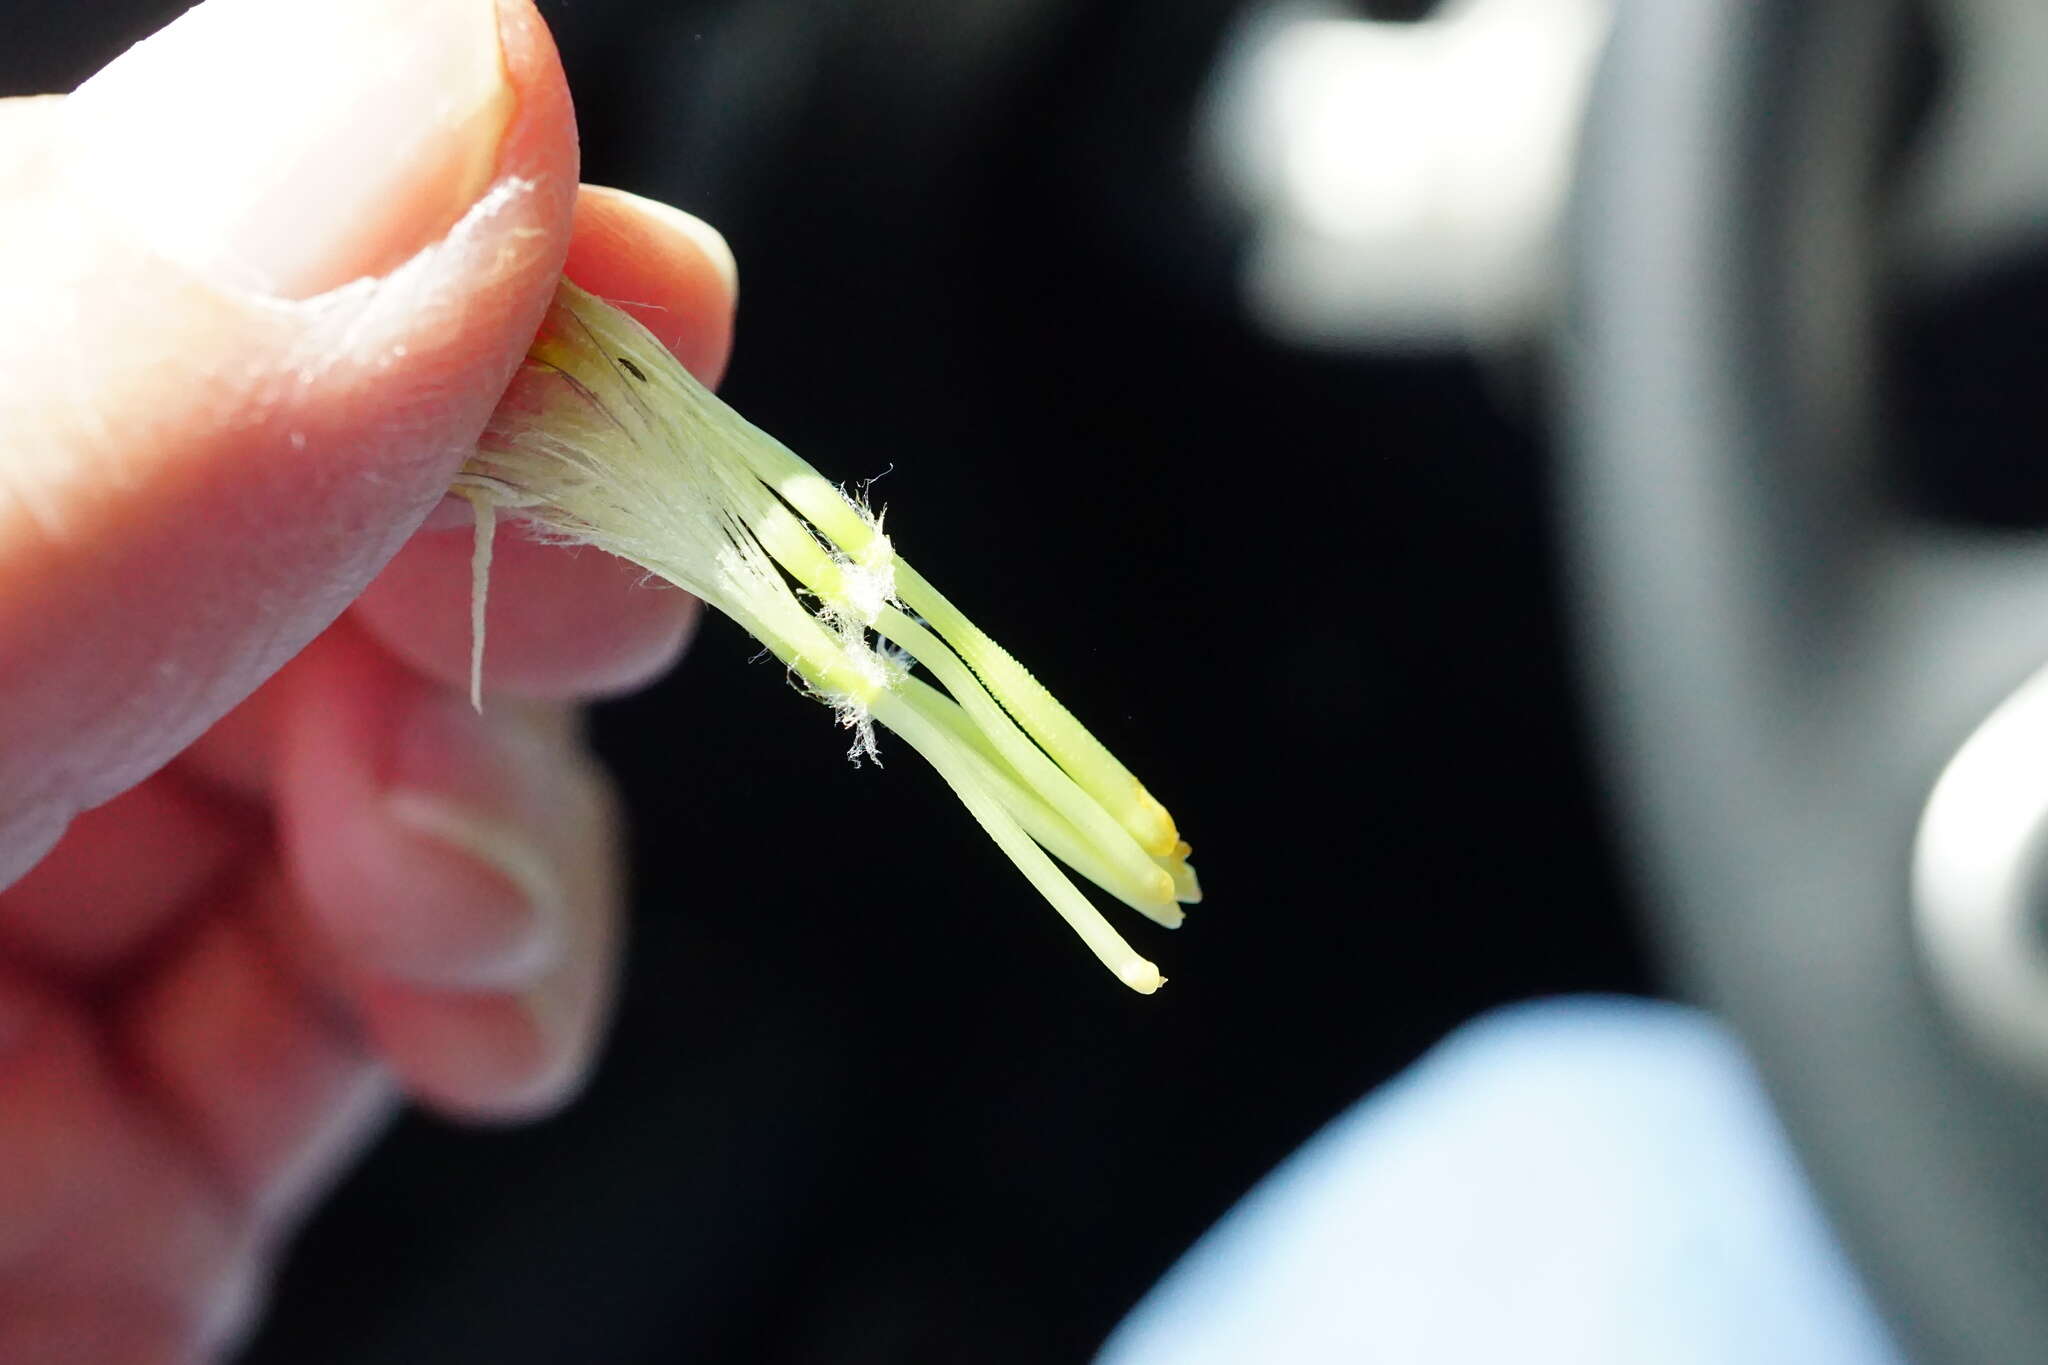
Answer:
x=1405 y=178
x=1980 y=881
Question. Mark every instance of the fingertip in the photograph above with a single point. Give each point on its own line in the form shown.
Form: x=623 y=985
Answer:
x=560 y=624
x=671 y=271
x=426 y=840
x=464 y=870
x=481 y=1057
x=598 y=204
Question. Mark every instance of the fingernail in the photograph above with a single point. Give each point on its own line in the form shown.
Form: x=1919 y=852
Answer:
x=469 y=796
x=508 y=923
x=562 y=1064
x=285 y=148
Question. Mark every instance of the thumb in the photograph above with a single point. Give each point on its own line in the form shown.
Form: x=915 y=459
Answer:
x=267 y=274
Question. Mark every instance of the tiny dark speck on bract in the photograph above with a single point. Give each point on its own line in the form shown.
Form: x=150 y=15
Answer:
x=633 y=369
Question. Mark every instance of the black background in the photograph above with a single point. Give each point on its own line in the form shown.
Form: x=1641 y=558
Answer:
x=867 y=1099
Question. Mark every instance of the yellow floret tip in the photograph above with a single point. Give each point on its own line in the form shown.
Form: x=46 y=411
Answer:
x=1142 y=977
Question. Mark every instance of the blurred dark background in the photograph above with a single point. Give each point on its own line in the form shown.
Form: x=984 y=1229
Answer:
x=867 y=1099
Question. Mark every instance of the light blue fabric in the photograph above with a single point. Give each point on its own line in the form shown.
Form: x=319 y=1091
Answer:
x=1576 y=1182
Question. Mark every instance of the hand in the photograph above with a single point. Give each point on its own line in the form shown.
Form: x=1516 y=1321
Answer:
x=266 y=277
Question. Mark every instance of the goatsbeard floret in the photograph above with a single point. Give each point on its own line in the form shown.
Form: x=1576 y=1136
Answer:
x=605 y=440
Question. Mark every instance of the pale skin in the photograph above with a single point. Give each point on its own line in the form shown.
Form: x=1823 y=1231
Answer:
x=220 y=981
